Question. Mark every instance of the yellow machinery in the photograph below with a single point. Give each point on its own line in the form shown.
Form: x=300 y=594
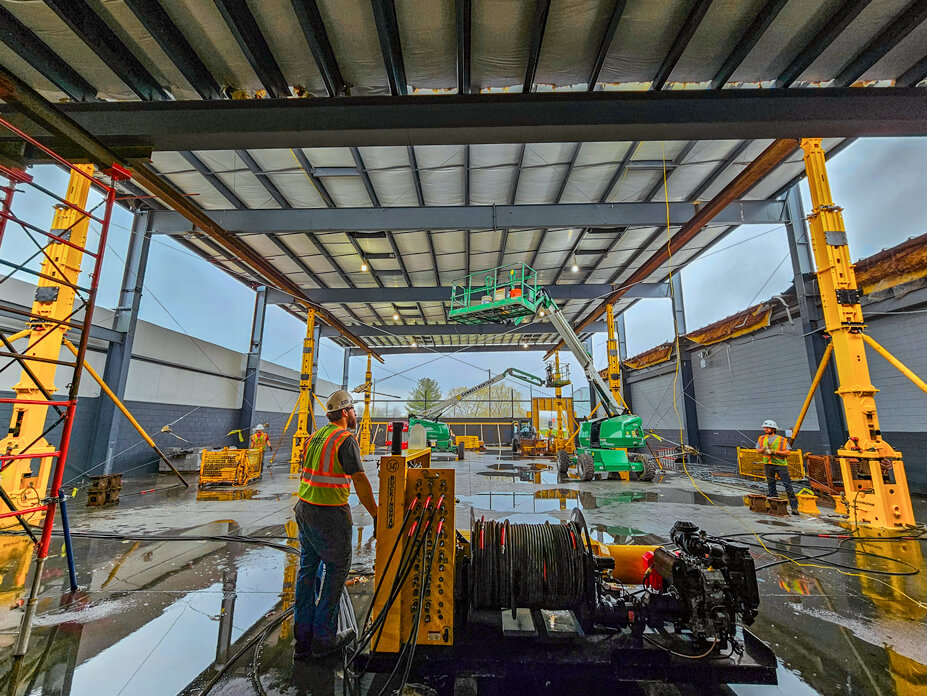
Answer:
x=750 y=463
x=304 y=409
x=878 y=495
x=365 y=442
x=233 y=467
x=55 y=300
x=487 y=600
x=470 y=442
x=558 y=439
x=558 y=377
x=614 y=359
x=413 y=495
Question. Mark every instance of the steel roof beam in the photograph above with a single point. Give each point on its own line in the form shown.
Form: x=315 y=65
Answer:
x=93 y=31
x=896 y=31
x=481 y=217
x=307 y=168
x=605 y=44
x=265 y=181
x=252 y=43
x=214 y=180
x=24 y=42
x=751 y=36
x=678 y=47
x=310 y=21
x=463 y=46
x=538 y=25
x=176 y=47
x=241 y=124
x=475 y=347
x=384 y=16
x=384 y=330
x=916 y=73
x=839 y=20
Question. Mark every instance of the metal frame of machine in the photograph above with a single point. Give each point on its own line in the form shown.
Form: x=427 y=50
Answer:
x=233 y=467
x=439 y=435
x=505 y=601
x=510 y=294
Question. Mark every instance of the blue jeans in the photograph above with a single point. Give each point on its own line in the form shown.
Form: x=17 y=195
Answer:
x=324 y=540
x=772 y=470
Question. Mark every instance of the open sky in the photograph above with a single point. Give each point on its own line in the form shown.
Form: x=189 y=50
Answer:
x=880 y=182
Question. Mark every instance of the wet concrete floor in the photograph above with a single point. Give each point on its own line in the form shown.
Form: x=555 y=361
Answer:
x=163 y=617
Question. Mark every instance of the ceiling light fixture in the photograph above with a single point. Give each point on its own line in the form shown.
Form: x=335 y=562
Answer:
x=396 y=316
x=575 y=267
x=541 y=312
x=524 y=345
x=364 y=265
x=414 y=344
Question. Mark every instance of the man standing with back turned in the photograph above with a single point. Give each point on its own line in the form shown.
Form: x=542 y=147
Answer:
x=775 y=450
x=331 y=463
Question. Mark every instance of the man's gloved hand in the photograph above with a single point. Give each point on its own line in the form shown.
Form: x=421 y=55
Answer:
x=766 y=450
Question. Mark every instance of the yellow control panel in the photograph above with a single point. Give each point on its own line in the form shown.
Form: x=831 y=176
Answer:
x=415 y=558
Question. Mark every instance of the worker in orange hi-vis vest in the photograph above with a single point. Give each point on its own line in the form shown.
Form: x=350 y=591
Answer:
x=260 y=439
x=775 y=450
x=331 y=463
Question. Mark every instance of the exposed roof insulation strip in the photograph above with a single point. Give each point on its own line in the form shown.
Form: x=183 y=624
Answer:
x=654 y=356
x=740 y=324
x=893 y=267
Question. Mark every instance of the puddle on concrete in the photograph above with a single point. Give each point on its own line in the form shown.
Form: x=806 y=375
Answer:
x=548 y=500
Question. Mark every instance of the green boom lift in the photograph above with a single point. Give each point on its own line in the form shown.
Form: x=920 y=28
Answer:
x=509 y=295
x=438 y=434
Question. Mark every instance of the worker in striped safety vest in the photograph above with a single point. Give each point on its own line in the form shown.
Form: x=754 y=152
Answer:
x=332 y=462
x=260 y=439
x=775 y=450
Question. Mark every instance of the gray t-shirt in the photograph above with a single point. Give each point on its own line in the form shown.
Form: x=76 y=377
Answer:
x=349 y=456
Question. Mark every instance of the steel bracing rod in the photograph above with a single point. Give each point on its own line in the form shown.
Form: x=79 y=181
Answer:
x=176 y=47
x=307 y=168
x=22 y=360
x=263 y=178
x=678 y=47
x=103 y=41
x=310 y=21
x=224 y=190
x=605 y=44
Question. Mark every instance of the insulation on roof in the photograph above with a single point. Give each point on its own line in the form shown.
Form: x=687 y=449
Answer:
x=890 y=268
x=654 y=356
x=745 y=322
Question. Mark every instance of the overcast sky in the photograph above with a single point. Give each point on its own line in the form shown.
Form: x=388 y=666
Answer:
x=879 y=182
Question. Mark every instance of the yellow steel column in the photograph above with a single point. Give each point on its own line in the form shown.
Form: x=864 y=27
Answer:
x=55 y=301
x=305 y=409
x=366 y=446
x=879 y=495
x=614 y=360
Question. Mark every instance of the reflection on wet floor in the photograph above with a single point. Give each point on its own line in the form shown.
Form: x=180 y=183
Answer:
x=164 y=617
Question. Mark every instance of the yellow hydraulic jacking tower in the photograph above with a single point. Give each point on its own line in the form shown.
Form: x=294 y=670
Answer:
x=366 y=445
x=874 y=480
x=54 y=299
x=304 y=409
x=558 y=377
x=614 y=359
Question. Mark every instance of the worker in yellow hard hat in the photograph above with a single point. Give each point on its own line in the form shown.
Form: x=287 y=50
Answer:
x=775 y=450
x=331 y=464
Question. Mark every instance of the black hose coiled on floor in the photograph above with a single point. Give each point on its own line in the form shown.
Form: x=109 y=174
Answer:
x=536 y=566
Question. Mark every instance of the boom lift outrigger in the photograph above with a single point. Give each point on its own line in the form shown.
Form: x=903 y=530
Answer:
x=509 y=294
x=438 y=434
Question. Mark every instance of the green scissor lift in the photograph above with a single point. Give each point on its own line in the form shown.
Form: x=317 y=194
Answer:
x=509 y=295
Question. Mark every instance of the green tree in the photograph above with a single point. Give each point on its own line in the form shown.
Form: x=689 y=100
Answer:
x=426 y=394
x=495 y=401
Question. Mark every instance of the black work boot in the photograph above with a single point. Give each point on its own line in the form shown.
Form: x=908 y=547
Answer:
x=327 y=646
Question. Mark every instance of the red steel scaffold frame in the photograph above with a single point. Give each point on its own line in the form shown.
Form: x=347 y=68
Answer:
x=39 y=328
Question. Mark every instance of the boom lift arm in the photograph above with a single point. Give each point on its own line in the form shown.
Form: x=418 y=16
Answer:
x=436 y=410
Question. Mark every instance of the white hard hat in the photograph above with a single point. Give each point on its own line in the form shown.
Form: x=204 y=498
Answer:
x=258 y=427
x=339 y=400
x=770 y=424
